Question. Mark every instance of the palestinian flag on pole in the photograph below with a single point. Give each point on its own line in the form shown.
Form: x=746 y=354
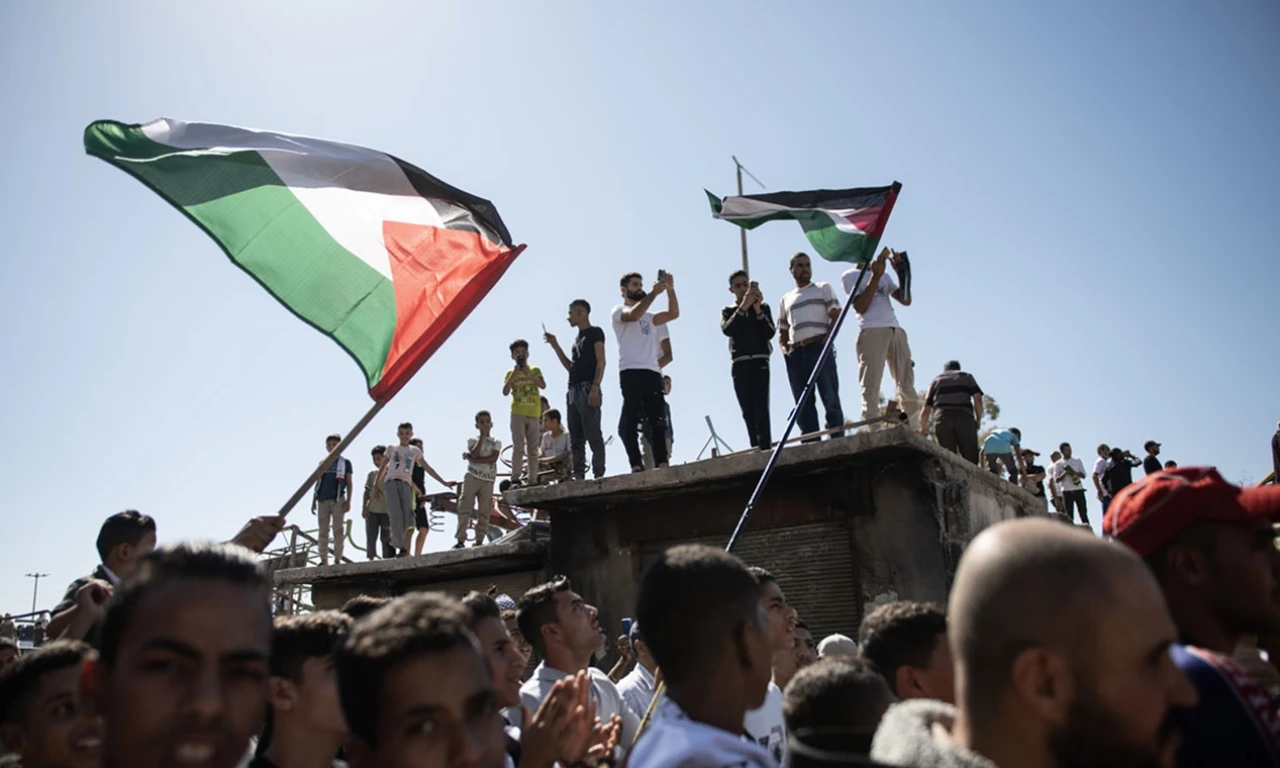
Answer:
x=841 y=224
x=378 y=255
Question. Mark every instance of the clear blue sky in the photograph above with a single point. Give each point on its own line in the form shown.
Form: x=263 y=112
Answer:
x=1088 y=192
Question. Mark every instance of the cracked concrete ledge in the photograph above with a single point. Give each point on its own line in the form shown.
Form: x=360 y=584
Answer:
x=453 y=563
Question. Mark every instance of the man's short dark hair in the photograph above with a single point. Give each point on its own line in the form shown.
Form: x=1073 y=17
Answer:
x=1103 y=447
x=692 y=602
x=378 y=450
x=335 y=437
x=22 y=677
x=552 y=414
x=294 y=639
x=628 y=277
x=902 y=633
x=405 y=425
x=407 y=627
x=128 y=527
x=537 y=608
x=203 y=561
x=586 y=306
x=838 y=692
x=952 y=365
x=797 y=255
x=362 y=605
x=761 y=576
x=1147 y=445
x=517 y=344
x=1063 y=446
x=480 y=607
x=416 y=442
x=482 y=413
x=737 y=274
x=801 y=625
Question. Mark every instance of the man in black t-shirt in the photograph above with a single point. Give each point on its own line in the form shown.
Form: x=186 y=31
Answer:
x=1120 y=474
x=1151 y=464
x=586 y=369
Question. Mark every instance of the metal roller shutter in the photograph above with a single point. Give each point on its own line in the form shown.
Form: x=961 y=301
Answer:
x=813 y=564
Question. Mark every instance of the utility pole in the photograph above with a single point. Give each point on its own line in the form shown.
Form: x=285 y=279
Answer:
x=35 y=591
x=742 y=233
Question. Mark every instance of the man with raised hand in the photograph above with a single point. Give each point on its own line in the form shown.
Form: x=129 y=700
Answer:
x=586 y=372
x=748 y=323
x=644 y=349
x=881 y=339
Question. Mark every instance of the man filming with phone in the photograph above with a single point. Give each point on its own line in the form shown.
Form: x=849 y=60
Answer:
x=880 y=339
x=644 y=348
x=749 y=325
x=525 y=385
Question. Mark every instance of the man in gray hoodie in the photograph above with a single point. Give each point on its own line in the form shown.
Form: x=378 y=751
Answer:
x=1061 y=645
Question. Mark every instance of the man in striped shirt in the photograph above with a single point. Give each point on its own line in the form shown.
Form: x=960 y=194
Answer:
x=805 y=315
x=958 y=399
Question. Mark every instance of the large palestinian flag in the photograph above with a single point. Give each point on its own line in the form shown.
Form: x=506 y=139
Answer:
x=380 y=256
x=841 y=224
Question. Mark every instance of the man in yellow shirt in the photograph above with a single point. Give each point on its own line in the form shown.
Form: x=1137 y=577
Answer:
x=525 y=385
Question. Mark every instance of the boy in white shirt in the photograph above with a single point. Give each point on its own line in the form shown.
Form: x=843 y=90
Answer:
x=557 y=451
x=704 y=624
x=482 y=467
x=396 y=478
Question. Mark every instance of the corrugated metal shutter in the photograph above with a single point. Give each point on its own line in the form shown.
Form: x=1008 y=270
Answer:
x=813 y=564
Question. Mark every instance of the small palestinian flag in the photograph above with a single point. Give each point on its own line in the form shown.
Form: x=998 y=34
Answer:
x=842 y=224
x=378 y=255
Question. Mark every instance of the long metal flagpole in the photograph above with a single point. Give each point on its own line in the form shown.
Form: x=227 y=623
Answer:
x=742 y=233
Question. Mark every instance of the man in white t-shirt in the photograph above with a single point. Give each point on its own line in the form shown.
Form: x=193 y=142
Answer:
x=396 y=478
x=476 y=499
x=805 y=314
x=702 y=621
x=1100 y=468
x=644 y=349
x=880 y=339
x=557 y=450
x=1068 y=476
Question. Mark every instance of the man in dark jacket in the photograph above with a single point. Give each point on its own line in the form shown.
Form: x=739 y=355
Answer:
x=749 y=326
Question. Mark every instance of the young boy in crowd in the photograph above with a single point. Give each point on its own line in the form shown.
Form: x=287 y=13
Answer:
x=765 y=724
x=419 y=506
x=476 y=499
x=396 y=478
x=376 y=522
x=416 y=689
x=306 y=724
x=332 y=501
x=181 y=677
x=524 y=384
x=704 y=622
x=556 y=449
x=42 y=718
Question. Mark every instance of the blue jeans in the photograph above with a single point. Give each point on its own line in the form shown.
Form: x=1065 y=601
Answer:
x=800 y=363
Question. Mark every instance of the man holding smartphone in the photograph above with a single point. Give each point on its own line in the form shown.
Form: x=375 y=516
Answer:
x=524 y=384
x=749 y=325
x=881 y=340
x=644 y=348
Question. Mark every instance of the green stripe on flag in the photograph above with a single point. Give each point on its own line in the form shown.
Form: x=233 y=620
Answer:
x=833 y=243
x=243 y=205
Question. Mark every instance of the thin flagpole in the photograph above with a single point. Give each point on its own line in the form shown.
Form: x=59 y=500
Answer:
x=328 y=460
x=795 y=412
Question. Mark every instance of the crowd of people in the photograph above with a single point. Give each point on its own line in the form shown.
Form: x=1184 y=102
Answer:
x=1055 y=648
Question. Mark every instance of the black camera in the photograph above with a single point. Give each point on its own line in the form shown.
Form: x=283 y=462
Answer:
x=521 y=360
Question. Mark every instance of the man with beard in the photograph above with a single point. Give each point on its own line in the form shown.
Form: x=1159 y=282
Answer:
x=43 y=720
x=565 y=631
x=1061 y=645
x=416 y=689
x=644 y=349
x=306 y=724
x=805 y=316
x=181 y=677
x=1211 y=547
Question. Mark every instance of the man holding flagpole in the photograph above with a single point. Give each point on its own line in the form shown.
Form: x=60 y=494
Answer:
x=880 y=339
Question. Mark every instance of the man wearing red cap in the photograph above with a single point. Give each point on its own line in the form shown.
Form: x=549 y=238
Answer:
x=1211 y=547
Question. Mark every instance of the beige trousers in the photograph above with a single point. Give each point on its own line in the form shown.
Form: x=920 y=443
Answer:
x=876 y=347
x=526 y=436
x=330 y=512
x=475 y=490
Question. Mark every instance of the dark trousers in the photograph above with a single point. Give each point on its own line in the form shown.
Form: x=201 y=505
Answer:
x=957 y=431
x=584 y=429
x=1076 y=498
x=993 y=464
x=751 y=384
x=800 y=364
x=642 y=401
x=372 y=525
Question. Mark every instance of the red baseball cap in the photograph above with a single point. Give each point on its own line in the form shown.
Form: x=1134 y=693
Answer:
x=1149 y=513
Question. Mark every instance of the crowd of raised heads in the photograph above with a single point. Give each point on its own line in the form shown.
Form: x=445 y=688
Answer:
x=1155 y=646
